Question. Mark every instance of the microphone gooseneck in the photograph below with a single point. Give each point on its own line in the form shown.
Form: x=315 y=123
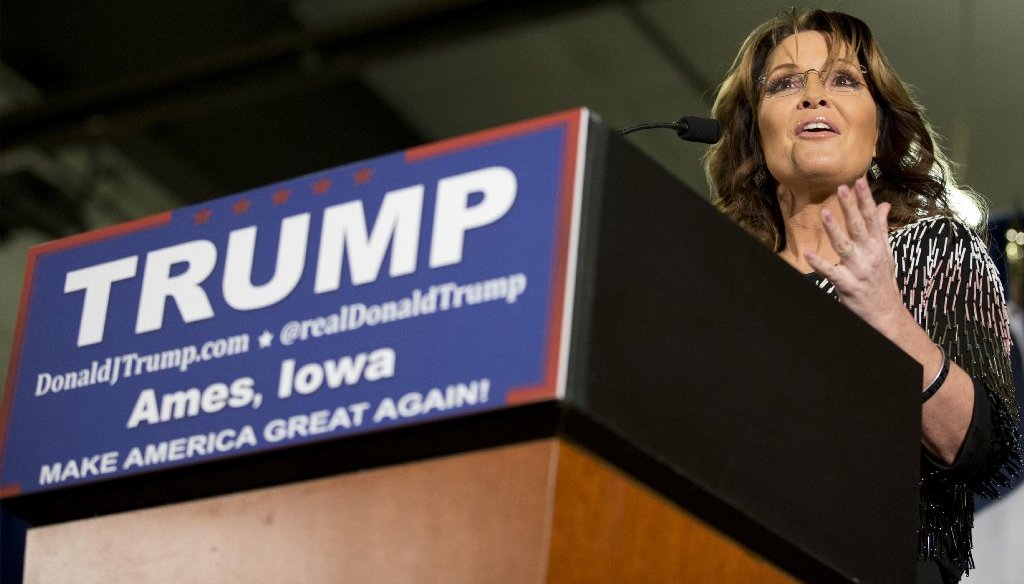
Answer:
x=689 y=128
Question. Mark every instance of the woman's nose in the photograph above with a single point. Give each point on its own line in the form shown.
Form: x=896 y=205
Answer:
x=809 y=102
x=813 y=95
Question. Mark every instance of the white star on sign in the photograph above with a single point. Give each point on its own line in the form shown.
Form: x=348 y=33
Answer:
x=266 y=339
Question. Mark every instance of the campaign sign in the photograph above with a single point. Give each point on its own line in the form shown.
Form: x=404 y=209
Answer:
x=422 y=285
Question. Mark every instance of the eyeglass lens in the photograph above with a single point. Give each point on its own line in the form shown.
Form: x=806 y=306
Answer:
x=836 y=80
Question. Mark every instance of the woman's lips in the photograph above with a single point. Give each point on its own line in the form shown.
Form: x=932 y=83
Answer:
x=818 y=127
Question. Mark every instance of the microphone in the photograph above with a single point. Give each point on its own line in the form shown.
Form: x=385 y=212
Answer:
x=689 y=128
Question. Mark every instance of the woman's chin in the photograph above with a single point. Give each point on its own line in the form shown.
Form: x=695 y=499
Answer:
x=819 y=177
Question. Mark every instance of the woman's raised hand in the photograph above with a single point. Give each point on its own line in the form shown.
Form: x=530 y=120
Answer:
x=865 y=277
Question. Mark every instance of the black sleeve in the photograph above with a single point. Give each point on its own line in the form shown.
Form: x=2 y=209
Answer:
x=979 y=443
x=952 y=288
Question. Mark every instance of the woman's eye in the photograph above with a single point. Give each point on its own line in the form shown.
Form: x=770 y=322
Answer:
x=780 y=84
x=845 y=80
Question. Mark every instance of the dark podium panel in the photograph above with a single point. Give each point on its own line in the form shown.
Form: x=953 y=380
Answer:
x=704 y=374
x=784 y=417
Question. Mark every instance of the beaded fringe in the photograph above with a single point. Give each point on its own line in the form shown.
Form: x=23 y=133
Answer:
x=947 y=505
x=952 y=289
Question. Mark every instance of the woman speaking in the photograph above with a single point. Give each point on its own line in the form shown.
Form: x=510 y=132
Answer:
x=826 y=159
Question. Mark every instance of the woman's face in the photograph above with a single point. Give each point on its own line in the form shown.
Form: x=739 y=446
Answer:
x=814 y=138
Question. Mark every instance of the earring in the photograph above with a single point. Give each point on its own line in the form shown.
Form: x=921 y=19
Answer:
x=759 y=177
x=874 y=171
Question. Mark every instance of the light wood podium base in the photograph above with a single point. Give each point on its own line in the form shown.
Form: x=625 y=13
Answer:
x=539 y=511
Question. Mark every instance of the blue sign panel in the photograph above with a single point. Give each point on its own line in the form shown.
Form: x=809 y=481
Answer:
x=426 y=284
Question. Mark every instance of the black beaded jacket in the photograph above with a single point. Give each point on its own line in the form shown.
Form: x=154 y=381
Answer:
x=952 y=288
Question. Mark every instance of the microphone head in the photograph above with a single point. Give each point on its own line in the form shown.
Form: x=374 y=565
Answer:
x=697 y=129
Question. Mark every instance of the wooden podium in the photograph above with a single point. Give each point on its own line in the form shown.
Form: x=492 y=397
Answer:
x=723 y=421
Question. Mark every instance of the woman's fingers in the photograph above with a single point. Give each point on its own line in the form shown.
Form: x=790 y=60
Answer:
x=840 y=242
x=856 y=222
x=860 y=211
x=837 y=273
x=882 y=212
x=866 y=223
x=864 y=275
x=868 y=209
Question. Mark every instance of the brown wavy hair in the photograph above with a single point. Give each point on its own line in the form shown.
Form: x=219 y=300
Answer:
x=915 y=173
